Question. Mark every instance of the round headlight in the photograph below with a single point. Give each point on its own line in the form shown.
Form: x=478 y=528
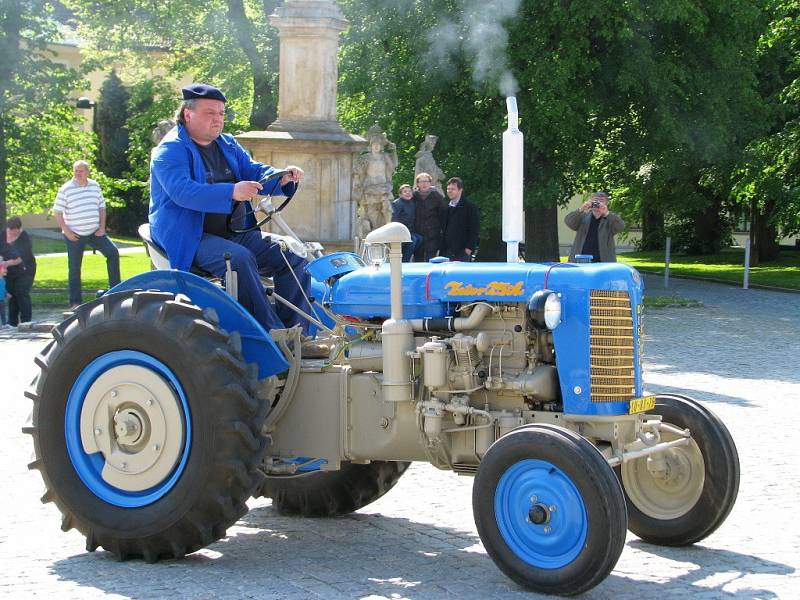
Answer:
x=376 y=254
x=544 y=308
x=552 y=311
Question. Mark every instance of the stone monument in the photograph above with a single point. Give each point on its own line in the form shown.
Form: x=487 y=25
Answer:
x=372 y=181
x=306 y=132
x=425 y=162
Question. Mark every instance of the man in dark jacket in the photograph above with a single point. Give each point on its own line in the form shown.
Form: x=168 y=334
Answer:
x=20 y=277
x=595 y=229
x=461 y=223
x=428 y=202
x=403 y=211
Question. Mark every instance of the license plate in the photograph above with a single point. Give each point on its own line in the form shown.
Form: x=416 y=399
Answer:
x=642 y=404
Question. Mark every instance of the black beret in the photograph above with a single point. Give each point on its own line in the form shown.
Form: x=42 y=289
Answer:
x=196 y=91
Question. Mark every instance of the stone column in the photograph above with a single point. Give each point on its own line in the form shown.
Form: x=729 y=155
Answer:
x=306 y=132
x=309 y=41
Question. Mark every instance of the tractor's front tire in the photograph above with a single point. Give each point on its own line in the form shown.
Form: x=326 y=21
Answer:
x=332 y=493
x=146 y=425
x=549 y=510
x=682 y=495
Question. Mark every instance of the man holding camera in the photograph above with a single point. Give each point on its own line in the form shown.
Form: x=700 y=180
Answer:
x=596 y=228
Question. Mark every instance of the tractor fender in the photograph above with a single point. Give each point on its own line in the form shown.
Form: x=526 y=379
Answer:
x=257 y=345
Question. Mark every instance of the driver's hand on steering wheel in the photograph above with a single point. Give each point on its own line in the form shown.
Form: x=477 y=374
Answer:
x=244 y=190
x=295 y=174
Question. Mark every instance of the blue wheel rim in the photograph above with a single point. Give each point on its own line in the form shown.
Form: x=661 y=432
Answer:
x=89 y=466
x=550 y=545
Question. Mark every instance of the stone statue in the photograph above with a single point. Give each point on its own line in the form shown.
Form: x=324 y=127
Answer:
x=372 y=179
x=425 y=162
x=162 y=129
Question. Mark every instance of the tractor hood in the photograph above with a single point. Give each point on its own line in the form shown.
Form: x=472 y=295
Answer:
x=430 y=290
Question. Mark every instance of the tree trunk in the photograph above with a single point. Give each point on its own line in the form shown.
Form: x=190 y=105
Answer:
x=264 y=110
x=3 y=165
x=709 y=227
x=764 y=246
x=653 y=234
x=541 y=233
x=10 y=51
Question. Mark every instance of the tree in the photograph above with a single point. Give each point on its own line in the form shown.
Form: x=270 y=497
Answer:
x=440 y=68
x=684 y=78
x=150 y=101
x=226 y=42
x=39 y=138
x=767 y=180
x=632 y=97
x=112 y=134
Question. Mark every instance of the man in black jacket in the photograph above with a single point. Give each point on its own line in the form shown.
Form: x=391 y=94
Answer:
x=461 y=223
x=428 y=203
x=20 y=275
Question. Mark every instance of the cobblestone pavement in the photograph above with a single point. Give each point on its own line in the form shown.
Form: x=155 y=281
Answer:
x=738 y=353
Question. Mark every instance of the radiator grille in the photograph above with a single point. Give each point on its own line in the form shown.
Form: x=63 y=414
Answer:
x=611 y=346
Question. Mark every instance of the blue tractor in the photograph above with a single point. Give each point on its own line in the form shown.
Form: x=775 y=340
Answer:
x=162 y=406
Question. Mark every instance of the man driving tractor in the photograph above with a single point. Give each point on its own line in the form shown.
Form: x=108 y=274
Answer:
x=200 y=183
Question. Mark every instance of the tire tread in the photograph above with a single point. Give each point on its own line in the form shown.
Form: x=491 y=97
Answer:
x=233 y=473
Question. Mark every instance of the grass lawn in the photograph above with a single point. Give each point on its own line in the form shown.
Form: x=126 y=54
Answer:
x=726 y=266
x=43 y=245
x=51 y=272
x=668 y=301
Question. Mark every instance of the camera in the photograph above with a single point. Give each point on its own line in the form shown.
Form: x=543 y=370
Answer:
x=595 y=204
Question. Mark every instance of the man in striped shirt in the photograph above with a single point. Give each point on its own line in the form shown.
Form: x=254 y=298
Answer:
x=80 y=211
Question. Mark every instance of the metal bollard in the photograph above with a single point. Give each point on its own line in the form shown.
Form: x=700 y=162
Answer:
x=746 y=284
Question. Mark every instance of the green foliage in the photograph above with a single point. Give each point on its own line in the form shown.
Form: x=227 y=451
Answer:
x=767 y=180
x=673 y=301
x=112 y=135
x=39 y=138
x=148 y=102
x=677 y=134
x=631 y=97
x=151 y=101
x=41 y=150
x=225 y=42
x=685 y=111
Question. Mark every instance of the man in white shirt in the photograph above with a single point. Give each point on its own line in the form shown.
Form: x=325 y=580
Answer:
x=80 y=211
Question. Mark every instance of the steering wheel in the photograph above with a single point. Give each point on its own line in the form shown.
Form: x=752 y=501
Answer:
x=264 y=181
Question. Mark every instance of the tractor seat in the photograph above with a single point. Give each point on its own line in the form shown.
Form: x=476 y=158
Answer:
x=159 y=258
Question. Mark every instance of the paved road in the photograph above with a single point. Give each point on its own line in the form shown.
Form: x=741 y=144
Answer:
x=738 y=353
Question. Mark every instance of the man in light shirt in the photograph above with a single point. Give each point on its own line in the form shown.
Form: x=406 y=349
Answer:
x=80 y=211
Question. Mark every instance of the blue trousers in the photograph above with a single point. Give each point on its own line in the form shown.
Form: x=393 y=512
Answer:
x=253 y=255
x=410 y=247
x=75 y=258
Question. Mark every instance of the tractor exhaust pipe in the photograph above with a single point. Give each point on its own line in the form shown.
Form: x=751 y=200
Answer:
x=396 y=332
x=513 y=212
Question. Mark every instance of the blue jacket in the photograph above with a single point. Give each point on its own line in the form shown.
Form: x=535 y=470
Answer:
x=403 y=211
x=180 y=196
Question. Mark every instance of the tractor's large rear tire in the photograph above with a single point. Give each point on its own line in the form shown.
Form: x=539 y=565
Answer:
x=146 y=425
x=682 y=495
x=332 y=493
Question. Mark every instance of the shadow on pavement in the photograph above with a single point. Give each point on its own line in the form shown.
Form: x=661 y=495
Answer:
x=270 y=556
x=725 y=566
x=702 y=396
